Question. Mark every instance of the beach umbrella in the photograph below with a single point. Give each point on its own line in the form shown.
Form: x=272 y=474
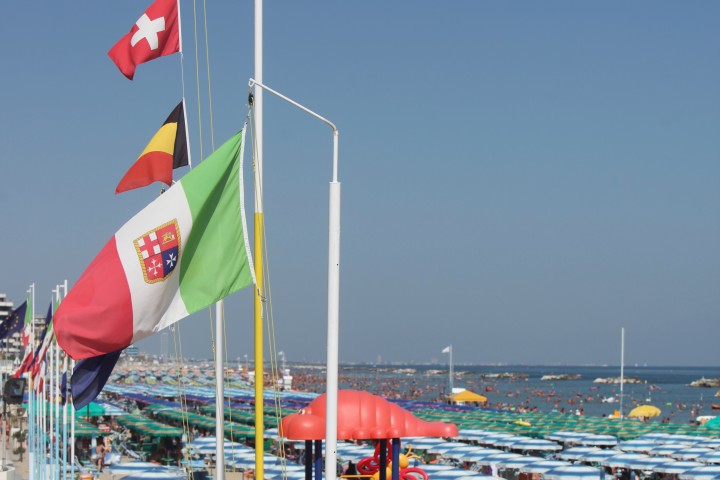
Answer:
x=710 y=443
x=667 y=449
x=644 y=411
x=576 y=452
x=535 y=445
x=573 y=472
x=543 y=466
x=712 y=457
x=597 y=440
x=676 y=467
x=134 y=467
x=637 y=445
x=479 y=454
x=691 y=453
x=518 y=462
x=156 y=475
x=495 y=459
x=700 y=473
x=509 y=441
x=565 y=437
x=627 y=460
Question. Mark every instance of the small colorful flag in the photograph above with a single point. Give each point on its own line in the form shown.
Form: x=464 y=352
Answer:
x=13 y=323
x=183 y=252
x=90 y=376
x=166 y=151
x=155 y=34
x=27 y=330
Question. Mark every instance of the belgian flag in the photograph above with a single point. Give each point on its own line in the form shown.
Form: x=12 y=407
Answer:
x=166 y=151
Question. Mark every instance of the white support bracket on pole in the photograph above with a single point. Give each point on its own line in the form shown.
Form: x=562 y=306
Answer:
x=333 y=293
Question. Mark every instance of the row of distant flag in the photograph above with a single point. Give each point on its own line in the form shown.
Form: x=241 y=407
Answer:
x=183 y=252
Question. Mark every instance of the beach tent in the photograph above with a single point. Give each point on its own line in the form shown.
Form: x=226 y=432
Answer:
x=467 y=396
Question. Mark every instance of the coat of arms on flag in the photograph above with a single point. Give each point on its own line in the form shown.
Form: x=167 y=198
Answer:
x=158 y=251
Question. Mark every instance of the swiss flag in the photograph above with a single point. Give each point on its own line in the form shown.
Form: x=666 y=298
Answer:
x=155 y=34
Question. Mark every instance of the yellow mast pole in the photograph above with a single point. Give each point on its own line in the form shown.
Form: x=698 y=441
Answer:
x=258 y=249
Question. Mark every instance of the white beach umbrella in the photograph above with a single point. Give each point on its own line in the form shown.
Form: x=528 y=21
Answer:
x=701 y=473
x=535 y=445
x=597 y=457
x=712 y=457
x=518 y=462
x=133 y=467
x=597 y=440
x=573 y=472
x=637 y=445
x=156 y=475
x=494 y=438
x=565 y=436
x=509 y=441
x=480 y=453
x=495 y=459
x=544 y=466
x=458 y=453
x=691 y=453
x=575 y=453
x=667 y=449
x=710 y=443
x=686 y=439
x=626 y=460
x=676 y=467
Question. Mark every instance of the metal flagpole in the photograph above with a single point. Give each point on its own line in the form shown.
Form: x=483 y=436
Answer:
x=65 y=419
x=72 y=432
x=333 y=292
x=258 y=250
x=451 y=370
x=622 y=368
x=219 y=393
x=31 y=395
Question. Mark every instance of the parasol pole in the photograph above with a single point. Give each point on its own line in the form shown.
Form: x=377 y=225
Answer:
x=72 y=430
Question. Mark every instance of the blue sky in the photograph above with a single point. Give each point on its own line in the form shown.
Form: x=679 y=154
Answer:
x=520 y=179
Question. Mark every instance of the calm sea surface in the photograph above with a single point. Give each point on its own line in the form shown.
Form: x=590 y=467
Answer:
x=665 y=387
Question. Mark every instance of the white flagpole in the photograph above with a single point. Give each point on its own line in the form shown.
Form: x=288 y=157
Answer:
x=451 y=371
x=72 y=431
x=31 y=395
x=622 y=368
x=219 y=392
x=64 y=424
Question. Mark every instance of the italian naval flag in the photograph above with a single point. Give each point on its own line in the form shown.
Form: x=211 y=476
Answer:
x=183 y=252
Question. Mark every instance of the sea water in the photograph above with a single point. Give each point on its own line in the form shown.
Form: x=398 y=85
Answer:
x=665 y=387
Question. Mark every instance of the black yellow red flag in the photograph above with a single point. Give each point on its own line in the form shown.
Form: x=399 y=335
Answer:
x=166 y=151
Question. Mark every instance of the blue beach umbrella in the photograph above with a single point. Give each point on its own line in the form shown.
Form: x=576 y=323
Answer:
x=597 y=440
x=542 y=467
x=713 y=457
x=667 y=449
x=519 y=462
x=627 y=460
x=701 y=473
x=575 y=453
x=598 y=457
x=691 y=453
x=573 y=472
x=479 y=454
x=535 y=445
x=498 y=458
x=637 y=445
x=676 y=467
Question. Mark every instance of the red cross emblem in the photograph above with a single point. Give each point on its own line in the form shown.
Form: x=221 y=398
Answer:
x=158 y=251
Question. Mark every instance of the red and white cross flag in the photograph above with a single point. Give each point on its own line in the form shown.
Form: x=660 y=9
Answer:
x=155 y=34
